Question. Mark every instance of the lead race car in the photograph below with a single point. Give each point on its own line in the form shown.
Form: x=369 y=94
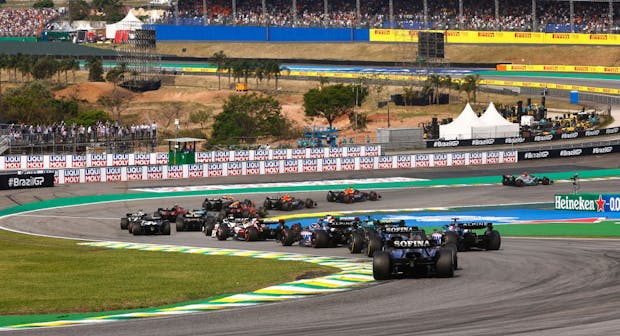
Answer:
x=351 y=195
x=525 y=179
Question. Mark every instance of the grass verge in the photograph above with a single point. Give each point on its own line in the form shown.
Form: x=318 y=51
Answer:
x=43 y=275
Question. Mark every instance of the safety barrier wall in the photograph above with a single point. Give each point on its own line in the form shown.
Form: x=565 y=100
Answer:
x=518 y=140
x=491 y=37
x=269 y=167
x=17 y=162
x=568 y=152
x=558 y=68
x=258 y=34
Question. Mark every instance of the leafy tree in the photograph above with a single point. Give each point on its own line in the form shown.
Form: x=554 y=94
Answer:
x=95 y=69
x=89 y=118
x=43 y=4
x=44 y=68
x=34 y=103
x=78 y=9
x=333 y=101
x=248 y=116
x=112 y=9
x=220 y=60
x=201 y=117
x=471 y=84
x=116 y=74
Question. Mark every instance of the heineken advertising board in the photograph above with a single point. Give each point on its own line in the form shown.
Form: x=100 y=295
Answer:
x=588 y=202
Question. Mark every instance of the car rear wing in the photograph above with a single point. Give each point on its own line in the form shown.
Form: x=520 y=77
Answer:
x=401 y=229
x=476 y=226
x=386 y=222
x=271 y=221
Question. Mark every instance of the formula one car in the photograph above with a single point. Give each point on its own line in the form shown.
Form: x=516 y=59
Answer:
x=287 y=203
x=465 y=238
x=217 y=204
x=193 y=220
x=407 y=251
x=351 y=195
x=249 y=229
x=327 y=232
x=372 y=233
x=150 y=226
x=525 y=179
x=170 y=214
x=245 y=209
x=131 y=218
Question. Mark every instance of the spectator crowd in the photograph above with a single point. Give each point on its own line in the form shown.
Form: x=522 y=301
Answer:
x=26 y=22
x=551 y=16
x=21 y=135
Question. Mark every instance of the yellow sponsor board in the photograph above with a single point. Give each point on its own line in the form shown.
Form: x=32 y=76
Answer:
x=558 y=68
x=551 y=86
x=495 y=37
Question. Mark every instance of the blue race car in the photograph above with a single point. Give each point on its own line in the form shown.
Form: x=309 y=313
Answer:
x=326 y=232
x=465 y=238
x=406 y=251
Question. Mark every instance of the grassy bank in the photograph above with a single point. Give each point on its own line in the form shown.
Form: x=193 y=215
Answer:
x=43 y=275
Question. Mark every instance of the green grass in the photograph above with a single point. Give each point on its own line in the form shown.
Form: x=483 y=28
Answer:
x=43 y=275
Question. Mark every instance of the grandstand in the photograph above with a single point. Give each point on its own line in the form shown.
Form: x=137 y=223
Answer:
x=585 y=16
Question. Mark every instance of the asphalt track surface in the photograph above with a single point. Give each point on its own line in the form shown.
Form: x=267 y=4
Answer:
x=529 y=287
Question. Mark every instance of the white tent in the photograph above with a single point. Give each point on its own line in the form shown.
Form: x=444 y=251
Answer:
x=129 y=22
x=461 y=127
x=494 y=125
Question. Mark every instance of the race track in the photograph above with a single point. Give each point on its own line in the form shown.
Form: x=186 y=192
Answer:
x=529 y=287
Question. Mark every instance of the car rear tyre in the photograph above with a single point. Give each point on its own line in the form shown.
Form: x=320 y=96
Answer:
x=445 y=263
x=331 y=197
x=288 y=237
x=320 y=239
x=222 y=232
x=287 y=206
x=357 y=242
x=373 y=196
x=310 y=203
x=124 y=223
x=209 y=229
x=251 y=234
x=136 y=229
x=455 y=255
x=374 y=246
x=180 y=226
x=165 y=229
x=546 y=181
x=519 y=183
x=381 y=268
x=494 y=241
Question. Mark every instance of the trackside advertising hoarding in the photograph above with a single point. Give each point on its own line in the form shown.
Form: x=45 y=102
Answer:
x=588 y=202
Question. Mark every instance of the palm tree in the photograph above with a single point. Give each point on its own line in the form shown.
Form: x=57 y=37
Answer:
x=12 y=62
x=434 y=82
x=272 y=69
x=3 y=64
x=472 y=83
x=447 y=83
x=75 y=66
x=220 y=60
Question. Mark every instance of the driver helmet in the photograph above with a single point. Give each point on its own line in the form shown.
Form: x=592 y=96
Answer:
x=314 y=226
x=254 y=221
x=349 y=190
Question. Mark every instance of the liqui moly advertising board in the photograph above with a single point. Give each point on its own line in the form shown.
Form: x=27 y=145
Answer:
x=336 y=151
x=154 y=172
x=493 y=157
x=440 y=160
x=386 y=162
x=272 y=167
x=142 y=159
x=475 y=158
x=113 y=174
x=354 y=151
x=403 y=161
x=291 y=166
x=252 y=168
x=35 y=162
x=58 y=161
x=196 y=170
x=317 y=153
x=347 y=163
x=329 y=164
x=215 y=169
x=203 y=157
x=72 y=175
x=13 y=162
x=222 y=156
x=162 y=158
x=92 y=175
x=134 y=173
x=367 y=162
x=279 y=154
x=372 y=150
x=120 y=160
x=459 y=159
x=98 y=160
x=422 y=160
x=175 y=172
x=242 y=155
x=298 y=153
x=310 y=165
x=261 y=154
x=234 y=168
x=509 y=156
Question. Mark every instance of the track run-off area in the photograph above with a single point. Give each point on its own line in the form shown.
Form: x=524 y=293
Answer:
x=531 y=286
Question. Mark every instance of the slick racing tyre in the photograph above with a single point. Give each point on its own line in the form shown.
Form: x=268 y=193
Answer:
x=208 y=229
x=445 y=263
x=331 y=197
x=455 y=256
x=251 y=234
x=356 y=243
x=320 y=239
x=494 y=241
x=222 y=232
x=124 y=223
x=165 y=228
x=288 y=237
x=310 y=203
x=136 y=229
x=373 y=196
x=381 y=268
x=374 y=246
x=180 y=224
x=546 y=181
